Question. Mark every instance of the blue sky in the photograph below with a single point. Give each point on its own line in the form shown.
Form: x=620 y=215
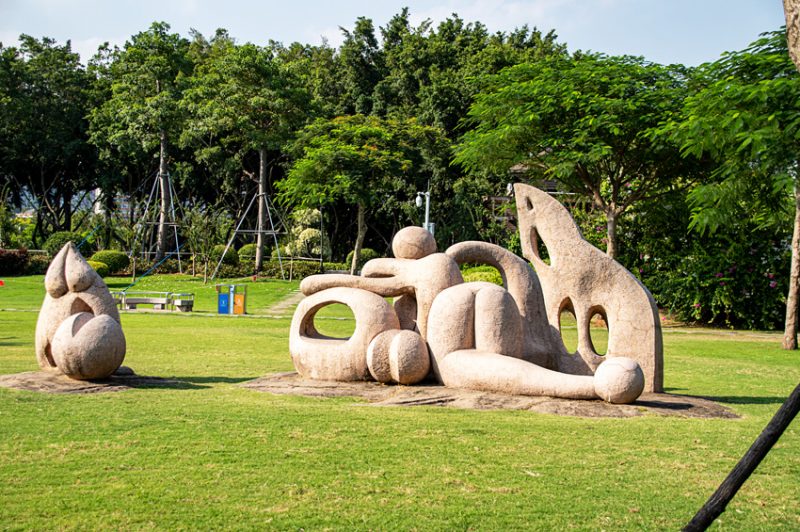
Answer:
x=665 y=31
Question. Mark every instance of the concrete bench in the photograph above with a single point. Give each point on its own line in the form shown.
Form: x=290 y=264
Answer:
x=182 y=302
x=159 y=300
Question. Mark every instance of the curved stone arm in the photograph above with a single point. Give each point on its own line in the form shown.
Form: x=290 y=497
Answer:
x=421 y=279
x=542 y=343
x=319 y=357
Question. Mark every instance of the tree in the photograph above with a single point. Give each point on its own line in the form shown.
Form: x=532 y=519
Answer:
x=746 y=117
x=44 y=151
x=586 y=121
x=147 y=78
x=376 y=165
x=361 y=66
x=241 y=98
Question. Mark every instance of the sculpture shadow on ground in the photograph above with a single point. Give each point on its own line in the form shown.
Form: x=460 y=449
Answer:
x=11 y=341
x=745 y=400
x=215 y=380
x=730 y=399
x=144 y=383
x=54 y=382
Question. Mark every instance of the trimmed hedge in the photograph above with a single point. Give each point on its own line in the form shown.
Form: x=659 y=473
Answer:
x=13 y=261
x=231 y=257
x=115 y=260
x=37 y=265
x=247 y=253
x=367 y=254
x=100 y=267
x=57 y=240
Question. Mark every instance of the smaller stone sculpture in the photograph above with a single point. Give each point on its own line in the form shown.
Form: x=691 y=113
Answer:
x=78 y=332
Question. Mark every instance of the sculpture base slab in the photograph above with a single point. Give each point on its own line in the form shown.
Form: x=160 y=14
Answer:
x=54 y=382
x=430 y=394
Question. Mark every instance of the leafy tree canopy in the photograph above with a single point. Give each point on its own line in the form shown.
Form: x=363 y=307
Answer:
x=588 y=121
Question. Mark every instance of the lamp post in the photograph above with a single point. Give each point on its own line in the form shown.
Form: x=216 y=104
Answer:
x=427 y=195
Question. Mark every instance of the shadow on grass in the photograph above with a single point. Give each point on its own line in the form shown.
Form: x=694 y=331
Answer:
x=10 y=341
x=666 y=405
x=144 y=382
x=214 y=380
x=745 y=400
x=732 y=399
x=167 y=384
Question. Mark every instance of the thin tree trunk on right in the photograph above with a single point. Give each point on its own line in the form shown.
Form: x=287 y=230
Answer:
x=790 y=327
x=361 y=233
x=611 y=233
x=163 y=183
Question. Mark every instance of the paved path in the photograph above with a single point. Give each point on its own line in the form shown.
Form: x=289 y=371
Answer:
x=285 y=307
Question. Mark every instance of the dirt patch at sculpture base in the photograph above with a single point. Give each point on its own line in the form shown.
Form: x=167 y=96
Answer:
x=54 y=382
x=429 y=394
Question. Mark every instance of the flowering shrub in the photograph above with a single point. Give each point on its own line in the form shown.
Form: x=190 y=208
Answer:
x=737 y=277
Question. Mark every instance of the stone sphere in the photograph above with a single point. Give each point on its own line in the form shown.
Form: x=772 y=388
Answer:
x=408 y=358
x=88 y=347
x=378 y=356
x=398 y=356
x=413 y=243
x=619 y=380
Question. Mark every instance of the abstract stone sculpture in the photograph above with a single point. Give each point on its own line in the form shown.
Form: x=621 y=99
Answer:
x=481 y=336
x=78 y=332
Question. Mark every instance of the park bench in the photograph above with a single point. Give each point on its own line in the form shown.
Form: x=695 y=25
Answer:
x=182 y=302
x=159 y=300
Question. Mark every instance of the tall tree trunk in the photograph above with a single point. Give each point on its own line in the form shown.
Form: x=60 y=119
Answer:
x=67 y=210
x=791 y=10
x=361 y=233
x=163 y=183
x=611 y=229
x=790 y=327
x=262 y=206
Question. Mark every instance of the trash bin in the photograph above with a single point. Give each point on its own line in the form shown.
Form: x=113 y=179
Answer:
x=231 y=298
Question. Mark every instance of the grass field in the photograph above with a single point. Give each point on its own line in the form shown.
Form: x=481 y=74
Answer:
x=210 y=454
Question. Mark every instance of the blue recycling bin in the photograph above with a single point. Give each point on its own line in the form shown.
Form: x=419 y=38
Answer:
x=223 y=303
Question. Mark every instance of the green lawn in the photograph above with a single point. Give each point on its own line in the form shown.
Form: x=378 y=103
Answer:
x=210 y=454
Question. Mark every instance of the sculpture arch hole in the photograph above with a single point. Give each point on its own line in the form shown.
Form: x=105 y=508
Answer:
x=568 y=326
x=540 y=248
x=484 y=272
x=334 y=321
x=598 y=330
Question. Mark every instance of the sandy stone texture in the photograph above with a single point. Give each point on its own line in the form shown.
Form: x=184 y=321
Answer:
x=78 y=332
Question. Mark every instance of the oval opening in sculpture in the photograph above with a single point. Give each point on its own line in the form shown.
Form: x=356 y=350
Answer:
x=568 y=326
x=483 y=272
x=598 y=330
x=334 y=321
x=539 y=247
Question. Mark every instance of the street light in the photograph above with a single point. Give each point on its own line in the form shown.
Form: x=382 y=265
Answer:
x=427 y=195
